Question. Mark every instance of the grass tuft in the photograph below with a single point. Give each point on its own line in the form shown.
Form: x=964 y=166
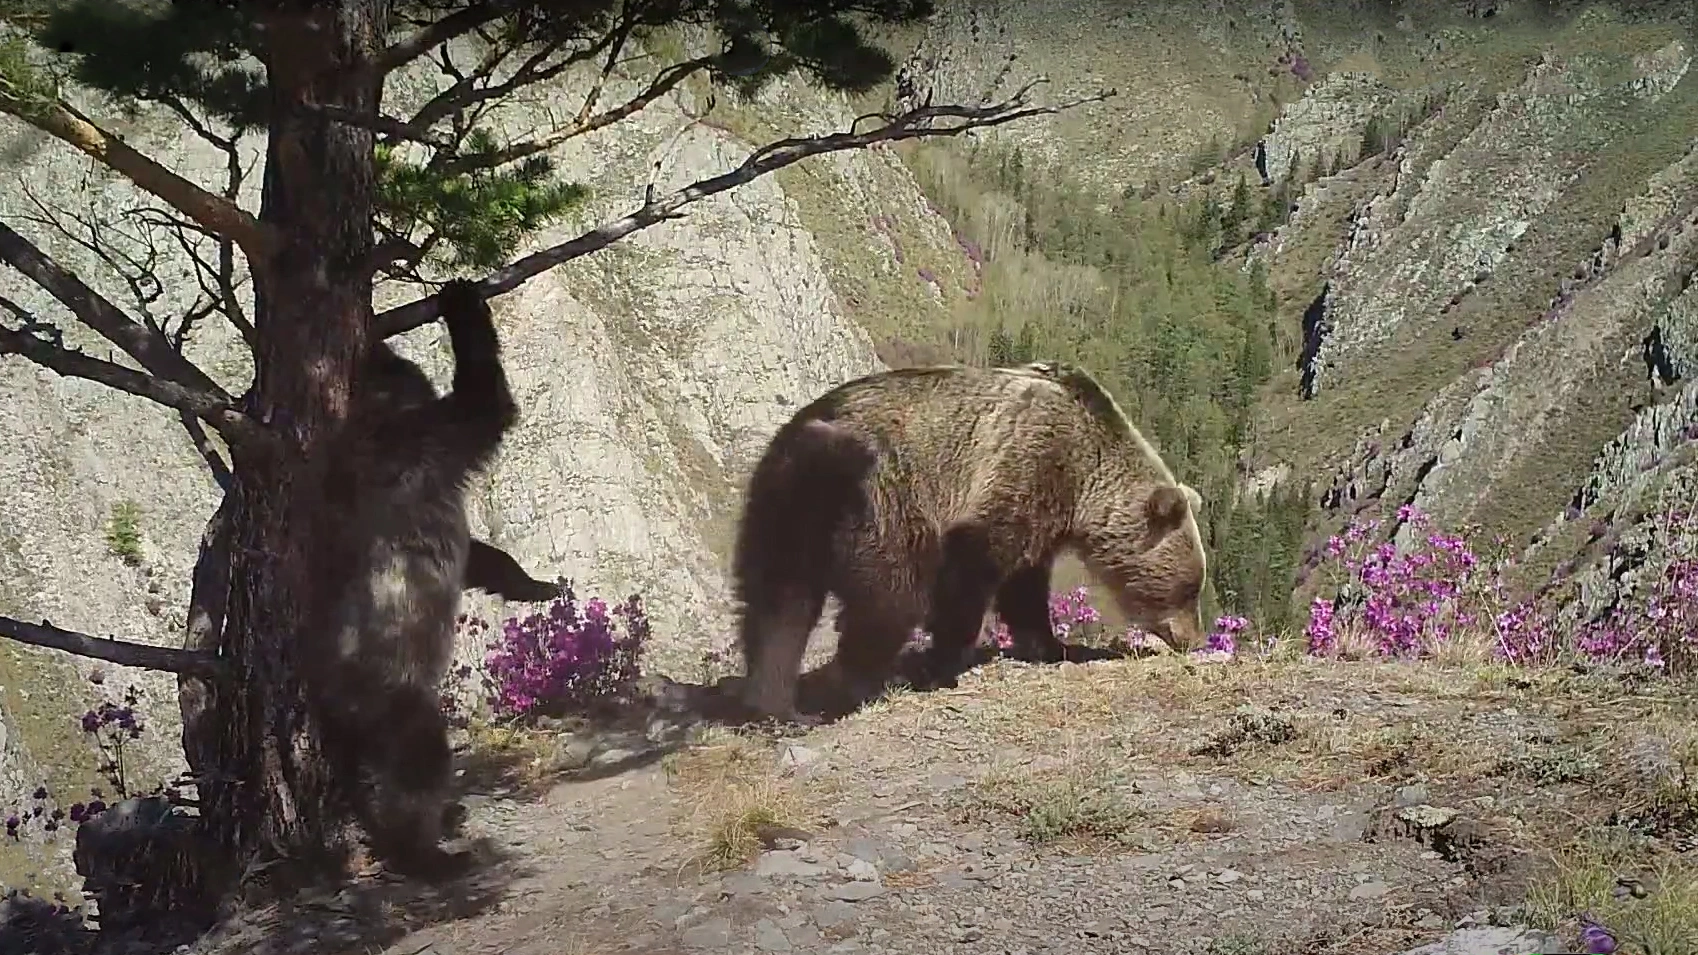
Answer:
x=734 y=798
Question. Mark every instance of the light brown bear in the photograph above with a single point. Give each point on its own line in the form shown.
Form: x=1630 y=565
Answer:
x=923 y=496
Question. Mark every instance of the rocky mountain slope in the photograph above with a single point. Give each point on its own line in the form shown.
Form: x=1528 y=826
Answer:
x=1491 y=316
x=1486 y=278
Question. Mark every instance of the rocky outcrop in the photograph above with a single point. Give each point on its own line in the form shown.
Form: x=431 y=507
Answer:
x=1450 y=221
x=1329 y=123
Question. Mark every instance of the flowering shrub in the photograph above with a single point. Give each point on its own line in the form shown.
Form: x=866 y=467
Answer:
x=112 y=727
x=1410 y=603
x=566 y=658
x=1439 y=593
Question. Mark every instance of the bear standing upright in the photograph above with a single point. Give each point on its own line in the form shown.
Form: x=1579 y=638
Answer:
x=925 y=496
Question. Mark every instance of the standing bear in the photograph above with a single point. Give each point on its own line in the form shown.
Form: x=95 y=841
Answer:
x=925 y=496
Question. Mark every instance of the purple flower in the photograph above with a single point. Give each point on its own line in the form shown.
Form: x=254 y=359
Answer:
x=1595 y=939
x=565 y=658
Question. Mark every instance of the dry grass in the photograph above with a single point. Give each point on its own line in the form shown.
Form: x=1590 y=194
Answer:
x=522 y=757
x=1649 y=909
x=734 y=797
x=1081 y=804
x=1332 y=724
x=1594 y=775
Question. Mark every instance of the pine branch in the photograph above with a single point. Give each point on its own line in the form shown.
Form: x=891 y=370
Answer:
x=236 y=427
x=63 y=122
x=123 y=652
x=913 y=124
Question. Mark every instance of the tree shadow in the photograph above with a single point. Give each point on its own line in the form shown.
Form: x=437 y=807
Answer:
x=366 y=912
x=373 y=911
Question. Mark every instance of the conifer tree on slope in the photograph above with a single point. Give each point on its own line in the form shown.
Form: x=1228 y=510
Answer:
x=341 y=207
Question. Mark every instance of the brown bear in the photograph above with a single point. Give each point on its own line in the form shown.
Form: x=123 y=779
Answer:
x=924 y=496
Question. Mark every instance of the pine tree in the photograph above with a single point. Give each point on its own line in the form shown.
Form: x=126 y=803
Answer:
x=1237 y=212
x=352 y=191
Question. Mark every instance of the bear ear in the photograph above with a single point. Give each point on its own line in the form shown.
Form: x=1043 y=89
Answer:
x=1193 y=498
x=1166 y=506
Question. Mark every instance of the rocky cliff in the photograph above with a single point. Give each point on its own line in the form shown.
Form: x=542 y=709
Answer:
x=1486 y=280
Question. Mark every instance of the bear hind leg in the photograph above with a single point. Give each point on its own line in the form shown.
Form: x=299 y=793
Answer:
x=775 y=639
x=1023 y=604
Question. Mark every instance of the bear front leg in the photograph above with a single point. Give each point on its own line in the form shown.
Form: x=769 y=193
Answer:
x=869 y=643
x=1023 y=604
x=967 y=580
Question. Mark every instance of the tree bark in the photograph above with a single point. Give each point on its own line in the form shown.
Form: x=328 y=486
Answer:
x=273 y=799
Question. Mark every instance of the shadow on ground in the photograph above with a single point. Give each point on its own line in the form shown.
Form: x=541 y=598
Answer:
x=525 y=764
x=366 y=913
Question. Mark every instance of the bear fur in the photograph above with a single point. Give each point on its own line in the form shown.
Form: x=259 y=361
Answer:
x=926 y=496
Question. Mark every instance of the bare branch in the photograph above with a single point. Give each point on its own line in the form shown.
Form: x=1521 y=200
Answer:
x=665 y=82
x=91 y=235
x=450 y=27
x=62 y=121
x=169 y=659
x=208 y=451
x=466 y=92
x=216 y=411
x=147 y=346
x=914 y=124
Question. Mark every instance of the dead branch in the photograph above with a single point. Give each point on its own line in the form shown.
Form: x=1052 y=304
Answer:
x=151 y=349
x=663 y=83
x=137 y=272
x=466 y=91
x=65 y=123
x=208 y=451
x=236 y=427
x=913 y=124
x=168 y=659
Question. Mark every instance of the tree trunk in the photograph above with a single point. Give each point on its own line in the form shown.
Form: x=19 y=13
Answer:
x=312 y=312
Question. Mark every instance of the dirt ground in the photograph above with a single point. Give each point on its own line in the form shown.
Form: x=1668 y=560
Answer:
x=1158 y=805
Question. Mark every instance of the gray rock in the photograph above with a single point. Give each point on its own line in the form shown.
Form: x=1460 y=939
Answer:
x=1413 y=795
x=1369 y=890
x=1427 y=817
x=613 y=755
x=796 y=756
x=1350 y=827
x=834 y=913
x=571 y=751
x=782 y=863
x=713 y=934
x=770 y=938
x=1491 y=941
x=855 y=891
x=744 y=883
